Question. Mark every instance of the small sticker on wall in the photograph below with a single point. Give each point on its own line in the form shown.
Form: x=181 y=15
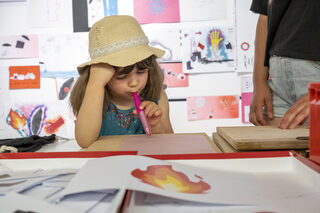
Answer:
x=23 y=77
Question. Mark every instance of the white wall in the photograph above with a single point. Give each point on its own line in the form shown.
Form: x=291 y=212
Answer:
x=15 y=20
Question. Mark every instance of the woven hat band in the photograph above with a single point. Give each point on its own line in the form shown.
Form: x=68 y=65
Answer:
x=117 y=46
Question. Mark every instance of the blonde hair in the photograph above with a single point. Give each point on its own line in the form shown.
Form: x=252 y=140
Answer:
x=151 y=91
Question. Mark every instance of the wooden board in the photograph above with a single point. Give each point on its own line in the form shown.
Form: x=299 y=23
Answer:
x=225 y=147
x=264 y=137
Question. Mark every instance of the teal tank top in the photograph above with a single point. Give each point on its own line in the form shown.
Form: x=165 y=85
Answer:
x=121 y=122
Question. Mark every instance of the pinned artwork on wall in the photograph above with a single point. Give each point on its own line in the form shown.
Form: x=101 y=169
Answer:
x=60 y=54
x=165 y=38
x=19 y=46
x=156 y=11
x=49 y=13
x=246 y=95
x=212 y=107
x=26 y=119
x=208 y=49
x=246 y=25
x=23 y=77
x=173 y=75
x=97 y=9
x=191 y=10
x=64 y=87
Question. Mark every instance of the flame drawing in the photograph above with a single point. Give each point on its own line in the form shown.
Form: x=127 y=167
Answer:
x=52 y=126
x=163 y=176
x=16 y=120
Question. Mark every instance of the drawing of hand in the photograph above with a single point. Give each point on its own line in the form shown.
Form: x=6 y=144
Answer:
x=215 y=39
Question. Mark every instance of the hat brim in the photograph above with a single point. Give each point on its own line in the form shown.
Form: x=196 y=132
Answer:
x=124 y=57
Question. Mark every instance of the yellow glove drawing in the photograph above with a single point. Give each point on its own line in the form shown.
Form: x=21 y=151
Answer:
x=215 y=40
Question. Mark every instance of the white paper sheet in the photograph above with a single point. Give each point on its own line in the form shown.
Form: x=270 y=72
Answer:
x=117 y=174
x=9 y=203
x=246 y=22
x=62 y=53
x=49 y=13
x=203 y=10
x=167 y=38
x=149 y=203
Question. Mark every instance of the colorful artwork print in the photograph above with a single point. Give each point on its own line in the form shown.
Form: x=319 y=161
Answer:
x=19 y=46
x=173 y=75
x=209 y=49
x=212 y=107
x=165 y=177
x=22 y=77
x=156 y=11
x=30 y=120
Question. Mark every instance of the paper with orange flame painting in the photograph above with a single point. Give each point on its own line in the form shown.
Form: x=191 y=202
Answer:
x=168 y=179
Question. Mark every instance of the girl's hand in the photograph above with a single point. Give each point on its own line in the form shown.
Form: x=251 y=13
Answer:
x=152 y=111
x=101 y=74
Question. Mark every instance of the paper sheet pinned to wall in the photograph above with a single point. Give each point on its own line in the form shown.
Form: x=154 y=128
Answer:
x=39 y=118
x=19 y=46
x=208 y=48
x=212 y=107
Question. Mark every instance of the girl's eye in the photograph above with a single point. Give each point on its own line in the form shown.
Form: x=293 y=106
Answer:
x=142 y=71
x=123 y=76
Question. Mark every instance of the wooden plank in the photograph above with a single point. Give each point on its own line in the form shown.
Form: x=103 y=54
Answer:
x=264 y=137
x=223 y=145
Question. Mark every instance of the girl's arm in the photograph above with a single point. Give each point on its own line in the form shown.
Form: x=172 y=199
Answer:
x=89 y=118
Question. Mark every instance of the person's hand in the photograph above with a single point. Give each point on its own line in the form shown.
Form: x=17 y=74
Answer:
x=297 y=114
x=152 y=111
x=262 y=97
x=101 y=73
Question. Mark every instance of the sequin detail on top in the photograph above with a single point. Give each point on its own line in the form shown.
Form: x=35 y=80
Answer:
x=124 y=119
x=120 y=122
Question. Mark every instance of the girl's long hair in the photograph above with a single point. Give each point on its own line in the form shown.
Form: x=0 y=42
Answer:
x=151 y=91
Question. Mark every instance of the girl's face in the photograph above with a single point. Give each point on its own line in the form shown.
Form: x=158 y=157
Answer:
x=123 y=85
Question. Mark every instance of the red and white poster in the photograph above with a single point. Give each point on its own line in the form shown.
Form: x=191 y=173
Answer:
x=173 y=75
x=24 y=77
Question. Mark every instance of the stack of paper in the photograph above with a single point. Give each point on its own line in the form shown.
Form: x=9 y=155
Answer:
x=141 y=184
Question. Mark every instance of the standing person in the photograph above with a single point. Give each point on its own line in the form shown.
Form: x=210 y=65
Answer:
x=287 y=58
x=121 y=63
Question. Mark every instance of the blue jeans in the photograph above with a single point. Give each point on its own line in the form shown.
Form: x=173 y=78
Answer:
x=289 y=80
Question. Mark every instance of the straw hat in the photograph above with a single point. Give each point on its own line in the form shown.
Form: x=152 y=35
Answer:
x=119 y=41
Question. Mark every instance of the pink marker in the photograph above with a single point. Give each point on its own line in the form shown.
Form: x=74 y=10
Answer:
x=141 y=114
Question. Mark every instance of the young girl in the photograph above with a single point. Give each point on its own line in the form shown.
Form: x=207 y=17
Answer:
x=121 y=63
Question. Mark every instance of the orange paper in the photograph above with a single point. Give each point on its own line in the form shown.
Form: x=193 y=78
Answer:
x=23 y=77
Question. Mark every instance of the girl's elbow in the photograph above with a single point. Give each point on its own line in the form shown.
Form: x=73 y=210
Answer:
x=83 y=142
